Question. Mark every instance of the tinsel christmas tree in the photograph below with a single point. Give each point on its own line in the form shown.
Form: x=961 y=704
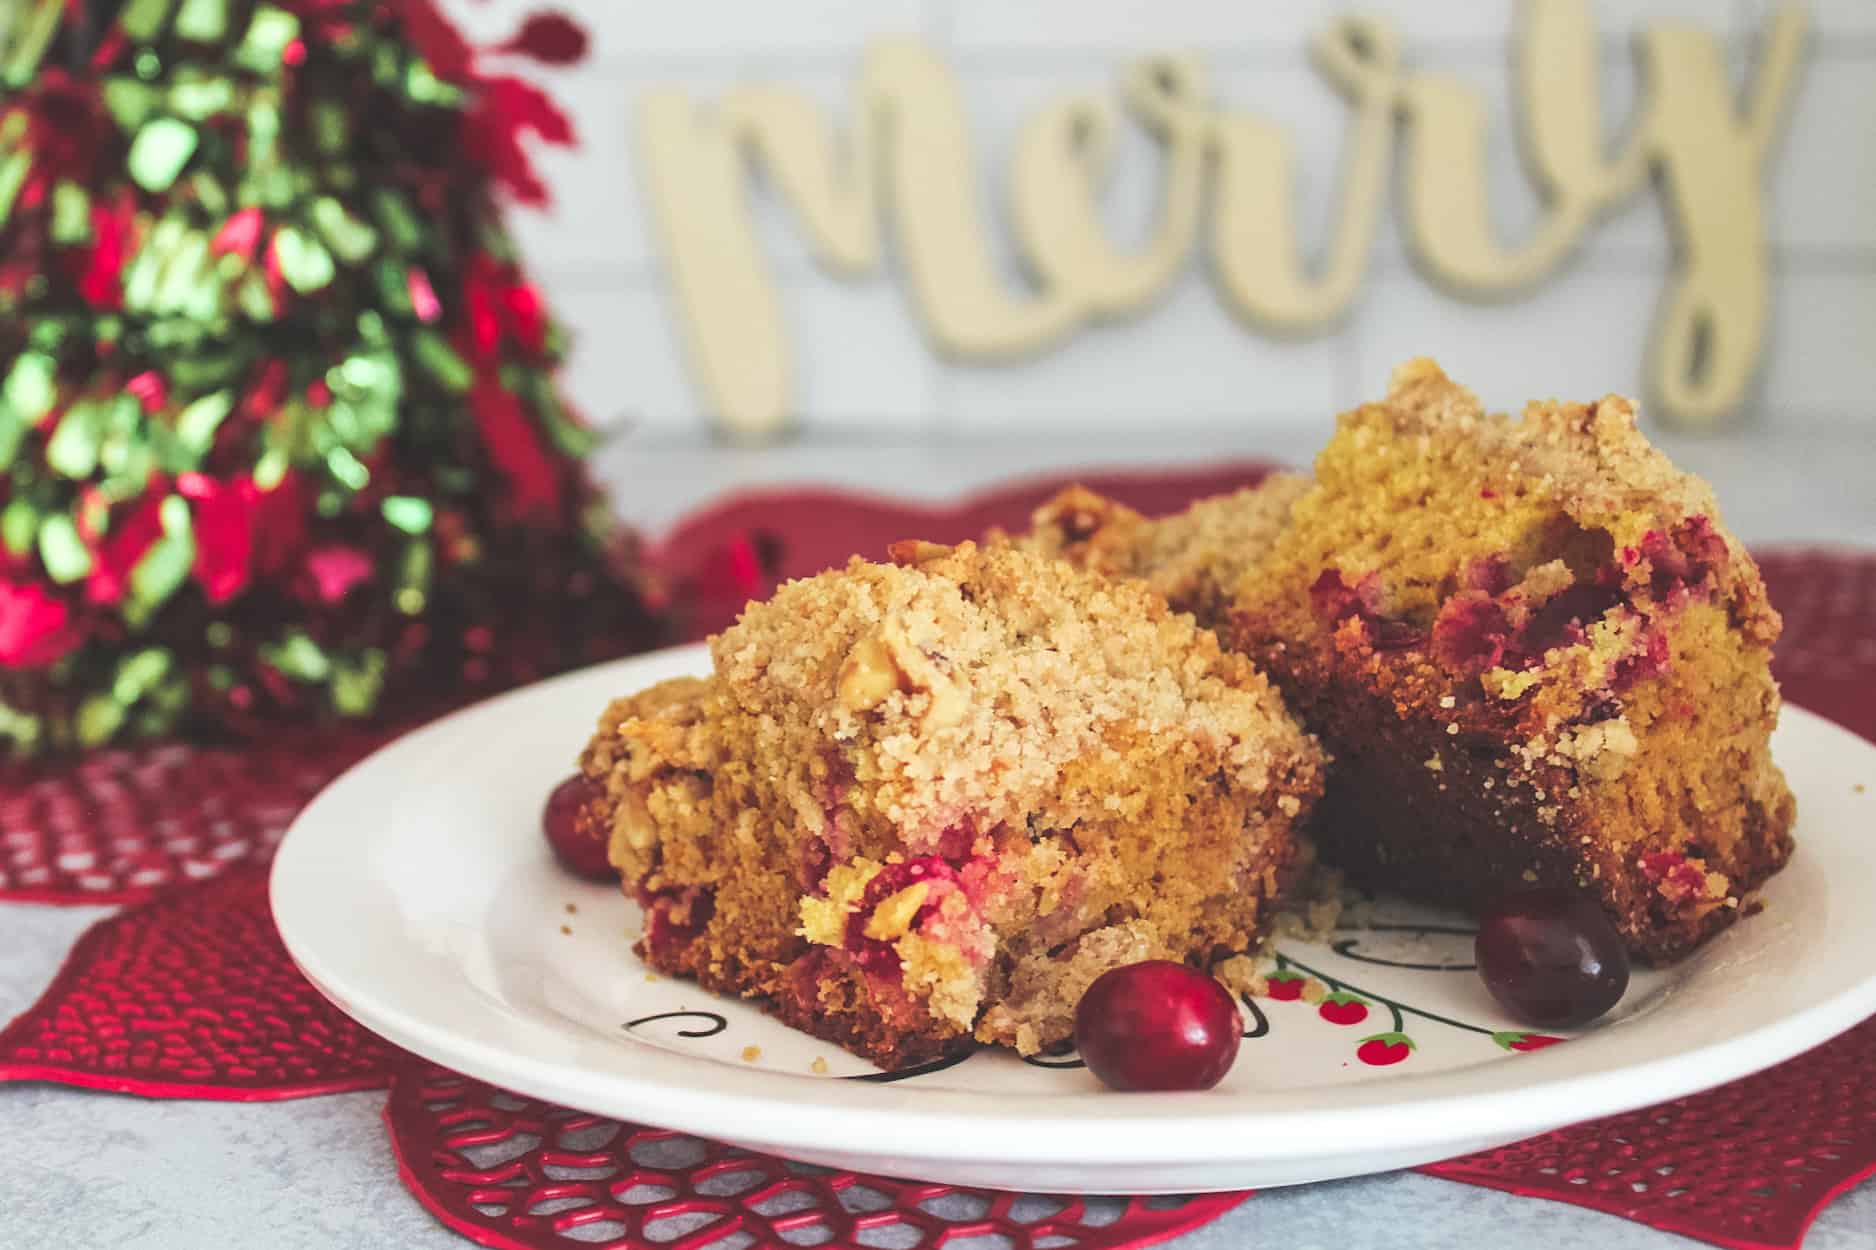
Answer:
x=279 y=437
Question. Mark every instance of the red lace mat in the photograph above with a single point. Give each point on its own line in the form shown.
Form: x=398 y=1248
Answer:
x=509 y=1171
x=192 y=994
x=1749 y=1164
x=129 y=823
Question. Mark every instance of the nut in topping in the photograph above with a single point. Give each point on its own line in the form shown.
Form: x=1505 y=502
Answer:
x=893 y=918
x=631 y=821
x=867 y=675
x=914 y=551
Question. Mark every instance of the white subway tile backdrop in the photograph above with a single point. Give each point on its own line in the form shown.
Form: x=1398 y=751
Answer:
x=863 y=370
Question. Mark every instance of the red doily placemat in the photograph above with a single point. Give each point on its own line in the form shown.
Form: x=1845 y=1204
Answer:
x=125 y=824
x=519 y=1174
x=192 y=996
x=1747 y=1165
x=743 y=547
x=1826 y=657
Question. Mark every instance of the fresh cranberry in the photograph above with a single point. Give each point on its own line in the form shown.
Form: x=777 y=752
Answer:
x=578 y=842
x=1157 y=1025
x=1551 y=957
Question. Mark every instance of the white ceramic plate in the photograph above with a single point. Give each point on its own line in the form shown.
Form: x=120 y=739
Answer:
x=417 y=893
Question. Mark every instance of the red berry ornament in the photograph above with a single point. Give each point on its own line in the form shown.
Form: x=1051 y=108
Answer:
x=1551 y=957
x=578 y=843
x=1157 y=1025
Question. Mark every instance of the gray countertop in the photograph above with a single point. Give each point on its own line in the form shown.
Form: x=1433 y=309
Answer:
x=97 y=1169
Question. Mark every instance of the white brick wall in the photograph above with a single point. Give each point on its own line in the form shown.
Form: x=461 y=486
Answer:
x=862 y=367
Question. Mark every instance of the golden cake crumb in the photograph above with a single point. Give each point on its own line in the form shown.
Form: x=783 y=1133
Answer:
x=566 y=929
x=751 y=1053
x=819 y=1066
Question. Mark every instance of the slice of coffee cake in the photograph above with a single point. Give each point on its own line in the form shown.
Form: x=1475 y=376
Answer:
x=1533 y=651
x=929 y=801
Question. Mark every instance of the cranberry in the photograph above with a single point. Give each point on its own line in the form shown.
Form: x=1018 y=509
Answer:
x=1551 y=957
x=1390 y=634
x=1566 y=617
x=1470 y=632
x=1157 y=1025
x=578 y=843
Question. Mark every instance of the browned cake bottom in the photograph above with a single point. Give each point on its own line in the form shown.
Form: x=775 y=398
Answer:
x=1456 y=837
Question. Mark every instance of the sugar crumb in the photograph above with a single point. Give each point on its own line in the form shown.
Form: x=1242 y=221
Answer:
x=1448 y=702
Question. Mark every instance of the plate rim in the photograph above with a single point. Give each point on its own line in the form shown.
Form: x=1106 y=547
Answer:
x=787 y=1112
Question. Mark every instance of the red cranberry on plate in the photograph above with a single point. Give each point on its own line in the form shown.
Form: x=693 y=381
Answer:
x=577 y=843
x=1157 y=1025
x=1551 y=957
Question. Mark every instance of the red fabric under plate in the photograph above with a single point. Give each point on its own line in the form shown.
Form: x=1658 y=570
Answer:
x=191 y=996
x=520 y=1174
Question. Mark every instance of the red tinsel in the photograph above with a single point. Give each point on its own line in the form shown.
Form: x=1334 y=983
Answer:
x=35 y=626
x=223 y=517
x=551 y=38
x=131 y=536
x=113 y=229
x=67 y=127
x=516 y=451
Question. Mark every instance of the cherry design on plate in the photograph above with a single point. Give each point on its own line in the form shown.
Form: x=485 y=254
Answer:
x=1285 y=986
x=1382 y=1049
x=1347 y=1004
x=1341 y=1007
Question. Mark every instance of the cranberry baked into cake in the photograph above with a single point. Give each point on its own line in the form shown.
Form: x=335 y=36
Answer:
x=923 y=803
x=1532 y=649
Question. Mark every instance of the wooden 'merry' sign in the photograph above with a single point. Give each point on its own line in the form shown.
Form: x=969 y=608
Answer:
x=904 y=168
